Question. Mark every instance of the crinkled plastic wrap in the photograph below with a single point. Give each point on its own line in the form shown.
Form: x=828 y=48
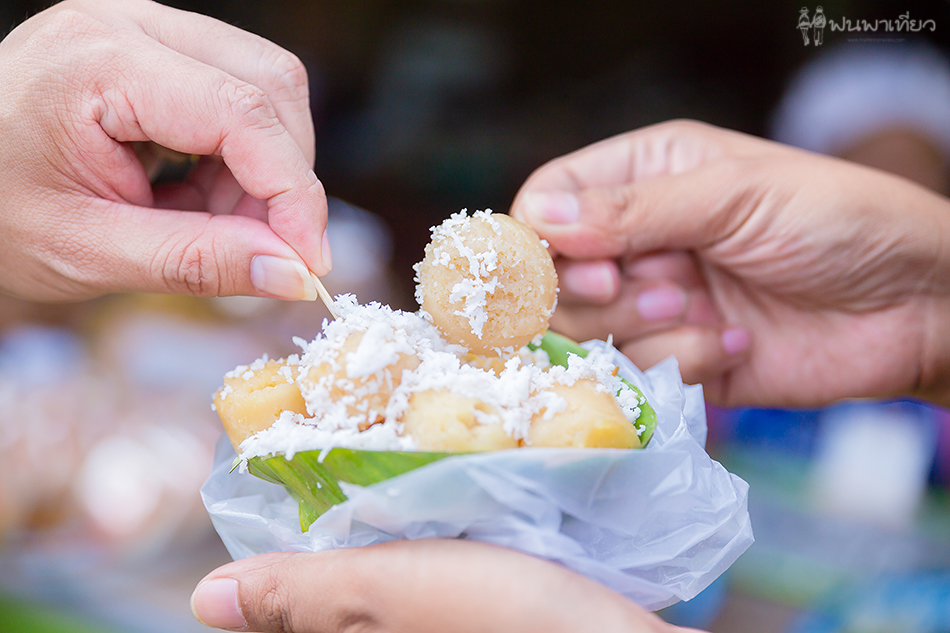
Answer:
x=657 y=524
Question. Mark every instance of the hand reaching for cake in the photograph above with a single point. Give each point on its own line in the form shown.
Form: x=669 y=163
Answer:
x=87 y=79
x=774 y=275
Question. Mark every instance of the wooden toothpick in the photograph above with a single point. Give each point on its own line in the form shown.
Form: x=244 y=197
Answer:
x=324 y=295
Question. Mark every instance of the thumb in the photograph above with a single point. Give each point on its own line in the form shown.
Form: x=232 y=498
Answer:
x=687 y=211
x=424 y=586
x=115 y=247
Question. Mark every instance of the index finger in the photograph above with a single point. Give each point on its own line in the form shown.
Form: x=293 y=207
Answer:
x=244 y=55
x=633 y=193
x=665 y=149
x=207 y=111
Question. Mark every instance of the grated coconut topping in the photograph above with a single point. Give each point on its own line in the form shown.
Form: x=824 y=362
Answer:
x=518 y=393
x=479 y=283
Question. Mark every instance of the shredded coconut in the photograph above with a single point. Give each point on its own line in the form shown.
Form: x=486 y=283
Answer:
x=522 y=390
x=479 y=284
x=247 y=371
x=292 y=433
x=287 y=371
x=225 y=391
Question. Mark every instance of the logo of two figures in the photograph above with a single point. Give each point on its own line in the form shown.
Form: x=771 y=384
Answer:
x=816 y=24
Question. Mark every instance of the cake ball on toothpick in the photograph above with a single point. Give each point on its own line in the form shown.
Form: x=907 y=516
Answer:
x=487 y=282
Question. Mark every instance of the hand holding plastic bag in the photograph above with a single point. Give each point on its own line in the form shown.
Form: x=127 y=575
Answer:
x=656 y=524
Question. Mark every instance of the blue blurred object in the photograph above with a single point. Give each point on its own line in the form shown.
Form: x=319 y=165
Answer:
x=701 y=611
x=839 y=496
x=895 y=604
x=786 y=431
x=795 y=432
x=34 y=355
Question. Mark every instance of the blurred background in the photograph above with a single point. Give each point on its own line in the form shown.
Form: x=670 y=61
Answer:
x=425 y=107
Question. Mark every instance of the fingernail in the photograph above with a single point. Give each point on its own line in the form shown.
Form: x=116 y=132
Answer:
x=735 y=340
x=325 y=250
x=553 y=207
x=657 y=304
x=282 y=278
x=215 y=603
x=589 y=279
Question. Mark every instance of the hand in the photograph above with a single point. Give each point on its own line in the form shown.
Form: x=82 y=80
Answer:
x=413 y=587
x=775 y=276
x=85 y=79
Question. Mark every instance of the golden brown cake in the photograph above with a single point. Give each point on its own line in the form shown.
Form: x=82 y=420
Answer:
x=487 y=282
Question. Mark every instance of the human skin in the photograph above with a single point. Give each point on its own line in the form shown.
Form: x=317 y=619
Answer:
x=85 y=79
x=413 y=587
x=776 y=276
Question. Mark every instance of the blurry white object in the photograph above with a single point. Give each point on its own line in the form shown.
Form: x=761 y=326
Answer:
x=856 y=91
x=139 y=484
x=119 y=485
x=872 y=464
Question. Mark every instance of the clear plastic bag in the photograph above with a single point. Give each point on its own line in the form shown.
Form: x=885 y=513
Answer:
x=657 y=524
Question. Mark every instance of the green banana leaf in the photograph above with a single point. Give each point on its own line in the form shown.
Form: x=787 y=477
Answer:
x=315 y=483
